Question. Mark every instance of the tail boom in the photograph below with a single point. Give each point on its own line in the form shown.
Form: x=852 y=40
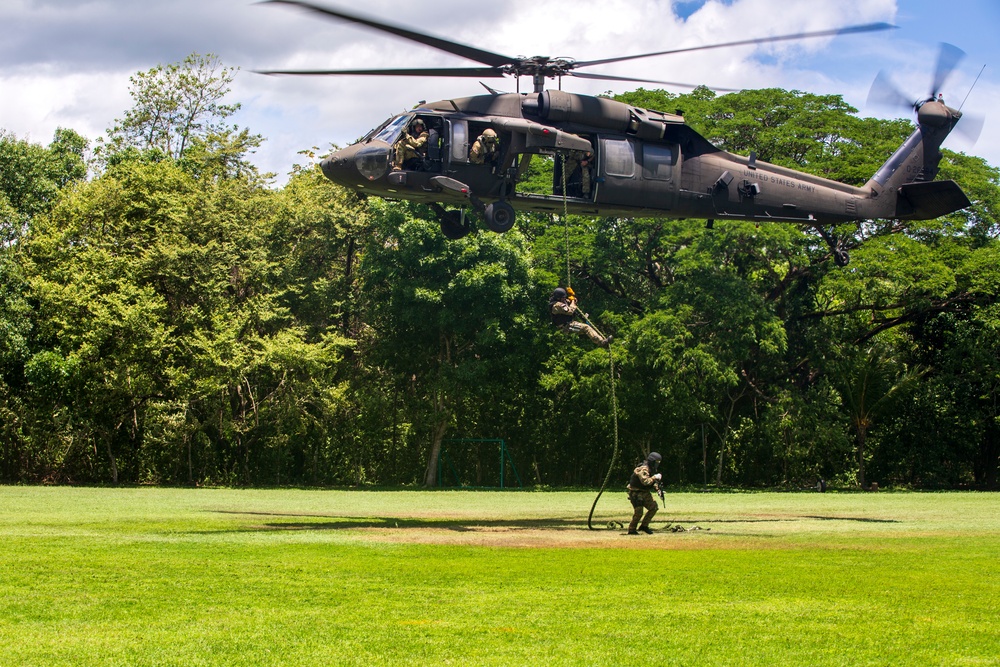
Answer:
x=904 y=187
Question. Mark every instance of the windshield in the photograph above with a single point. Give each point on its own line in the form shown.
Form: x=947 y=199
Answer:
x=390 y=131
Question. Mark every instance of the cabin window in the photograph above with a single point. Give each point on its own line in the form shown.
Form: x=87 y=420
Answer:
x=619 y=158
x=460 y=141
x=657 y=162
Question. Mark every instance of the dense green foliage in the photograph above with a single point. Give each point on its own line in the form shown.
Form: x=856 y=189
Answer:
x=173 y=319
x=290 y=577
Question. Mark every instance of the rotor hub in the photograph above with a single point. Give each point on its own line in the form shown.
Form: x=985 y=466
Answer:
x=540 y=66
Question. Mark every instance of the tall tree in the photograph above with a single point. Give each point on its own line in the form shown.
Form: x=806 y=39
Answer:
x=870 y=381
x=31 y=175
x=176 y=105
x=447 y=315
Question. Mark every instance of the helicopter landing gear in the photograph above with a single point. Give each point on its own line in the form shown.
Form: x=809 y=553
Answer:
x=499 y=216
x=454 y=224
x=840 y=255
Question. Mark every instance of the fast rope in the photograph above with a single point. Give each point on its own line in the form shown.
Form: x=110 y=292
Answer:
x=614 y=414
x=565 y=219
x=611 y=362
x=614 y=455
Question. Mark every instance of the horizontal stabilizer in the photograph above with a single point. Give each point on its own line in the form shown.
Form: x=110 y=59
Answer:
x=929 y=200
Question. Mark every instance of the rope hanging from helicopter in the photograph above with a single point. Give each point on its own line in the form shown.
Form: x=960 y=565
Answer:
x=611 y=365
x=614 y=454
x=566 y=221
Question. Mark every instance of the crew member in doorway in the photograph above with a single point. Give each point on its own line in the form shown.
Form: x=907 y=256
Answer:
x=563 y=309
x=486 y=149
x=413 y=144
x=644 y=477
x=577 y=166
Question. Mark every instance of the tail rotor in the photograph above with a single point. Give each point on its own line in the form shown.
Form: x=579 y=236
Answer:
x=949 y=56
x=885 y=93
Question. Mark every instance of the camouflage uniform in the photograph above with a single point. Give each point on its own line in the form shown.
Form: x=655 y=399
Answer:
x=411 y=145
x=562 y=315
x=639 y=484
x=579 y=160
x=485 y=148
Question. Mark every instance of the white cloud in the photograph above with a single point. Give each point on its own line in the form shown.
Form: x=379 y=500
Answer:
x=36 y=101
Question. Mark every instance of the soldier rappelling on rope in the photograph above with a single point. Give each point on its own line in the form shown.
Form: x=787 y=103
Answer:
x=564 y=308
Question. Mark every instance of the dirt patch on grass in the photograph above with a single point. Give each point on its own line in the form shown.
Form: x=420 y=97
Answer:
x=760 y=530
x=542 y=538
x=551 y=532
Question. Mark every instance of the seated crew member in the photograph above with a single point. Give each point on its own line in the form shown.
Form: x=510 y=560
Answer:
x=486 y=149
x=413 y=144
x=563 y=309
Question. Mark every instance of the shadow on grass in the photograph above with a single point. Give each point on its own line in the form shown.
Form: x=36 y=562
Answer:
x=321 y=522
x=333 y=522
x=859 y=519
x=790 y=519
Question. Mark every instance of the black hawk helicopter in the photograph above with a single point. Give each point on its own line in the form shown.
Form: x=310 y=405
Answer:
x=638 y=162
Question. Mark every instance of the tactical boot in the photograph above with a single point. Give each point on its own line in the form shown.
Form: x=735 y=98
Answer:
x=606 y=341
x=646 y=530
x=633 y=532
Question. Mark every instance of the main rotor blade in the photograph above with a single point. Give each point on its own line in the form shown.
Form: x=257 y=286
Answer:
x=868 y=27
x=439 y=71
x=948 y=58
x=470 y=52
x=610 y=77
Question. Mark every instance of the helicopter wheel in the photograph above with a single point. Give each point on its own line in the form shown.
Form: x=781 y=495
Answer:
x=499 y=216
x=452 y=226
x=840 y=256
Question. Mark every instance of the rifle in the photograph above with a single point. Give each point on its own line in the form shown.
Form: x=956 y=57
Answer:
x=659 y=491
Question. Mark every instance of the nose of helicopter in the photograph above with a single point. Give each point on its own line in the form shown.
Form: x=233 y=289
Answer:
x=357 y=164
x=336 y=166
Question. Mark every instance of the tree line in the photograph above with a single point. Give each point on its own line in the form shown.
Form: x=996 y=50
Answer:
x=170 y=316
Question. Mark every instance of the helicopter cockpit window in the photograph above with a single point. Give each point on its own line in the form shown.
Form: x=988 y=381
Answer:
x=619 y=158
x=657 y=162
x=391 y=132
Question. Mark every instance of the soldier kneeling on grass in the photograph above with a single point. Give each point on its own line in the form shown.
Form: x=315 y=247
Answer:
x=643 y=478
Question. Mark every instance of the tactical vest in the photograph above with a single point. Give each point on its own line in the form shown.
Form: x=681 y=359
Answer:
x=635 y=481
x=559 y=319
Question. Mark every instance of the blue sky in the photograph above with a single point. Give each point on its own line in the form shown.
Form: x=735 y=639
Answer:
x=67 y=62
x=972 y=25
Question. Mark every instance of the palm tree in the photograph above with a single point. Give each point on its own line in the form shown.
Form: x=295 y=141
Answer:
x=869 y=382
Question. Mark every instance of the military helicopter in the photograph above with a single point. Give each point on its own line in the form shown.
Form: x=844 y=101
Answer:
x=614 y=159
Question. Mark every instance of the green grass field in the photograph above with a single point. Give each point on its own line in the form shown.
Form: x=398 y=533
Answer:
x=288 y=577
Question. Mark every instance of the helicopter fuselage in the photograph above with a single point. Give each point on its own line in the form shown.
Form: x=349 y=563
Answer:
x=642 y=163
